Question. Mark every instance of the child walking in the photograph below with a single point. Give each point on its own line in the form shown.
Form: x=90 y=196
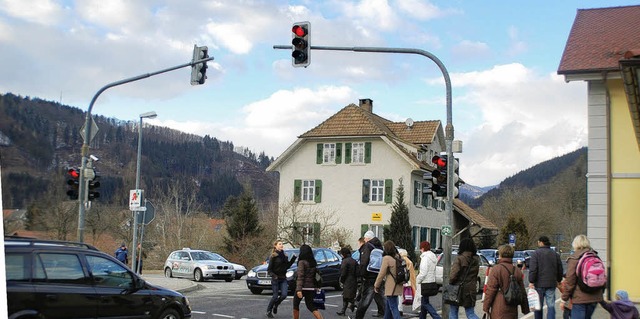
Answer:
x=622 y=307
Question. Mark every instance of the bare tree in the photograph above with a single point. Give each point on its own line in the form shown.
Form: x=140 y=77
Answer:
x=295 y=220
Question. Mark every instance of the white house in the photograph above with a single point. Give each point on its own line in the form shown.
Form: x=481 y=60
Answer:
x=351 y=165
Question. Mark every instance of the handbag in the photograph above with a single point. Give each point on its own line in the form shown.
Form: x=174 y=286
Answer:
x=452 y=293
x=428 y=289
x=417 y=303
x=407 y=295
x=319 y=298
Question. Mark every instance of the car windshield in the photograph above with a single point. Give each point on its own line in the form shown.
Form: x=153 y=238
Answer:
x=205 y=255
x=518 y=254
x=488 y=253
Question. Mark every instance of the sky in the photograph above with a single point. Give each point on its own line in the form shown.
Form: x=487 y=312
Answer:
x=510 y=109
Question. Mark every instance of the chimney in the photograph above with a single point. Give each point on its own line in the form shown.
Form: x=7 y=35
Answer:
x=367 y=104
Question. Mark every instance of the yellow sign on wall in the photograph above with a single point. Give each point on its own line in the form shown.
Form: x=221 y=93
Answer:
x=376 y=217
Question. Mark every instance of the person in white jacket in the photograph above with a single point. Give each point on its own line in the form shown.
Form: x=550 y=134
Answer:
x=426 y=275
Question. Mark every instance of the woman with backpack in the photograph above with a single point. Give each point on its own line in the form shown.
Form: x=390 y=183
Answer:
x=467 y=263
x=388 y=271
x=584 y=300
x=305 y=286
x=495 y=303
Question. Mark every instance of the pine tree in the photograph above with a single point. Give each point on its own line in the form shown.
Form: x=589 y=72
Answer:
x=515 y=226
x=399 y=226
x=242 y=222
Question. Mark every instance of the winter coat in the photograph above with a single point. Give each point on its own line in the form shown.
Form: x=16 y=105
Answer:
x=364 y=258
x=458 y=269
x=545 y=268
x=621 y=309
x=122 y=254
x=572 y=290
x=348 y=277
x=494 y=302
x=388 y=273
x=306 y=275
x=427 y=272
x=279 y=264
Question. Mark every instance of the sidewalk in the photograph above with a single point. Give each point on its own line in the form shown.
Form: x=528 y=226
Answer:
x=180 y=285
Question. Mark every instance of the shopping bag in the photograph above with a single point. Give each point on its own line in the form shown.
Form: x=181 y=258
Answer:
x=417 y=302
x=451 y=294
x=407 y=294
x=319 y=298
x=534 y=299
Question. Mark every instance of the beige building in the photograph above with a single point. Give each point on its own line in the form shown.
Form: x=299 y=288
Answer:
x=603 y=50
x=350 y=167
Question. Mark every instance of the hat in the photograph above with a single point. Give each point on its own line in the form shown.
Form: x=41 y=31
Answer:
x=123 y=244
x=545 y=240
x=622 y=294
x=369 y=234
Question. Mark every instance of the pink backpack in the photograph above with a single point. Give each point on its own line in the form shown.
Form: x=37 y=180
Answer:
x=591 y=272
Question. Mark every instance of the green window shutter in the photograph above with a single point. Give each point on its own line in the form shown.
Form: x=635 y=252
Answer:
x=416 y=189
x=347 y=153
x=425 y=198
x=363 y=229
x=367 y=152
x=365 y=190
x=319 y=150
x=388 y=191
x=338 y=153
x=318 y=191
x=316 y=234
x=297 y=190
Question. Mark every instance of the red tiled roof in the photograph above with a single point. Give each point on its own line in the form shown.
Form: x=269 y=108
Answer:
x=599 y=38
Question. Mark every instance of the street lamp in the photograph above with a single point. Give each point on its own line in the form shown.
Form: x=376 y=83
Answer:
x=146 y=115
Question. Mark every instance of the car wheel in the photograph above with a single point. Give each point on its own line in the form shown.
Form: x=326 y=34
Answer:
x=197 y=275
x=480 y=286
x=238 y=277
x=228 y=279
x=255 y=291
x=170 y=314
x=167 y=273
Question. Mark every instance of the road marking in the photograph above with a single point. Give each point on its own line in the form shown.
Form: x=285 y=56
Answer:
x=224 y=316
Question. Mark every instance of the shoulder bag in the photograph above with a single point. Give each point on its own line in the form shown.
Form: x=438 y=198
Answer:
x=452 y=293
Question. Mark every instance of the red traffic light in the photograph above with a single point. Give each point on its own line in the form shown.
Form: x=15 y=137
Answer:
x=439 y=161
x=73 y=173
x=299 y=30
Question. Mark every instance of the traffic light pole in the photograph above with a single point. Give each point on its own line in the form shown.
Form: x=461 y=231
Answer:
x=82 y=187
x=448 y=140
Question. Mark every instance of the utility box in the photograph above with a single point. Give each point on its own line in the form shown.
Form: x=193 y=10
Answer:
x=456 y=147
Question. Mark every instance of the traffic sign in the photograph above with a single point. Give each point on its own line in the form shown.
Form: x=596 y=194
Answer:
x=135 y=199
x=94 y=131
x=512 y=239
x=148 y=215
x=446 y=230
x=376 y=217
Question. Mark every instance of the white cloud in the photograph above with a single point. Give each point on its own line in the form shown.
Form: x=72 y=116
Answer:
x=45 y=12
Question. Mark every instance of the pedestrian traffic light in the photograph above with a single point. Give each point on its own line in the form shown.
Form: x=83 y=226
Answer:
x=94 y=184
x=301 y=44
x=199 y=70
x=439 y=176
x=73 y=182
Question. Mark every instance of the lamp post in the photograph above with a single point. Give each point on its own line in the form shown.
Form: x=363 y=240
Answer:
x=147 y=115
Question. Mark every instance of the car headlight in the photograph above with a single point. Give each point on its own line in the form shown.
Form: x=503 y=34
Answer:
x=251 y=273
x=289 y=274
x=231 y=267
x=211 y=267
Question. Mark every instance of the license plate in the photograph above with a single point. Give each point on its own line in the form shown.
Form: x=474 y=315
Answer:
x=264 y=282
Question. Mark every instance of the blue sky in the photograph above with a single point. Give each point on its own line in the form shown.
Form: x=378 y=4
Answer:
x=510 y=108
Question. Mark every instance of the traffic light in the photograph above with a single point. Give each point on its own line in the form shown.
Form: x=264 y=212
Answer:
x=301 y=44
x=439 y=177
x=94 y=184
x=199 y=70
x=73 y=182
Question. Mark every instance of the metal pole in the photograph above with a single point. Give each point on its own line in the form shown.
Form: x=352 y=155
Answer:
x=87 y=135
x=448 y=140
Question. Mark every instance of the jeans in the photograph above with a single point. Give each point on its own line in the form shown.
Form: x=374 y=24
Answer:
x=367 y=296
x=279 y=288
x=453 y=312
x=583 y=311
x=391 y=308
x=426 y=307
x=548 y=296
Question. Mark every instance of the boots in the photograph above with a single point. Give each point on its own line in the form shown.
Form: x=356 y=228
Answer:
x=344 y=308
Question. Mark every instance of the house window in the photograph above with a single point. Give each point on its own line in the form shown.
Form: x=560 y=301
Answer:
x=306 y=233
x=307 y=191
x=357 y=153
x=329 y=153
x=377 y=229
x=377 y=191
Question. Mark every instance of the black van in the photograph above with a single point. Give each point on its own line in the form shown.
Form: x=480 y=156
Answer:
x=61 y=279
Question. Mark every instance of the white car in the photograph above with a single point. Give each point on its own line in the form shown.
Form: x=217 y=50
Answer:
x=240 y=269
x=198 y=265
x=482 y=273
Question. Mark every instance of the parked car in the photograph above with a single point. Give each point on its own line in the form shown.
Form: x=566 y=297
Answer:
x=482 y=273
x=328 y=264
x=62 y=279
x=518 y=258
x=240 y=269
x=527 y=256
x=490 y=254
x=198 y=265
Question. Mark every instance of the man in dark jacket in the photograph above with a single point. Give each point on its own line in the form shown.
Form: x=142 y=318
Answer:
x=369 y=278
x=545 y=272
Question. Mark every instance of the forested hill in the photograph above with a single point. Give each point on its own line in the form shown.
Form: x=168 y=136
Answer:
x=40 y=140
